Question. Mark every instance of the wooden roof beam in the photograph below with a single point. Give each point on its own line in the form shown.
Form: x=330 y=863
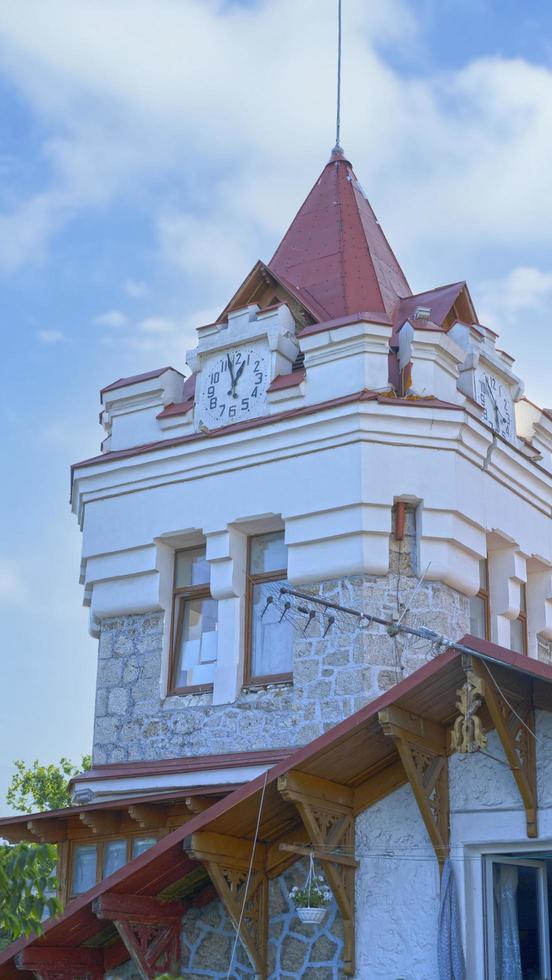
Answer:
x=326 y=810
x=101 y=821
x=422 y=749
x=244 y=896
x=48 y=831
x=148 y=927
x=148 y=816
x=514 y=725
x=49 y=962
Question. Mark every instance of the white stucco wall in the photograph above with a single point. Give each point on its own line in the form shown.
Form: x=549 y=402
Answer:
x=397 y=889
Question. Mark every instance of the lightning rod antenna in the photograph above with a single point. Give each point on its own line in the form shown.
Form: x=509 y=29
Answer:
x=338 y=100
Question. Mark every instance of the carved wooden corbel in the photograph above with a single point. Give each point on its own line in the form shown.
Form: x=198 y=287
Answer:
x=421 y=745
x=244 y=896
x=514 y=725
x=149 y=928
x=51 y=963
x=101 y=821
x=326 y=809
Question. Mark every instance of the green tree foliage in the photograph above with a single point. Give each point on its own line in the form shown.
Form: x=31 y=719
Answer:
x=38 y=788
x=28 y=884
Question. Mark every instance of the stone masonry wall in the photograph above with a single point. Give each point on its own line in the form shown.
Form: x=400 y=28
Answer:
x=333 y=676
x=294 y=950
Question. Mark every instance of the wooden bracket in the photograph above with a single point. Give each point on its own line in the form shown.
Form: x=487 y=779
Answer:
x=147 y=816
x=101 y=821
x=51 y=963
x=244 y=896
x=198 y=804
x=326 y=809
x=514 y=725
x=49 y=830
x=421 y=745
x=149 y=928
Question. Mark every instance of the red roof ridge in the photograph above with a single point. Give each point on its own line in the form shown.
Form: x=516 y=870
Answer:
x=335 y=250
x=135 y=378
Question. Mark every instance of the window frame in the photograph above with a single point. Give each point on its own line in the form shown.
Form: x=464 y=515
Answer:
x=488 y=896
x=99 y=843
x=179 y=598
x=259 y=578
x=484 y=593
x=522 y=618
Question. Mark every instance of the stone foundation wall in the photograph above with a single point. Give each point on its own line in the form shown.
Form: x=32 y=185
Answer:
x=333 y=676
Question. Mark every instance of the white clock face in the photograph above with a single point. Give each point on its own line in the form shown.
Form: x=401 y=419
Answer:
x=233 y=386
x=497 y=402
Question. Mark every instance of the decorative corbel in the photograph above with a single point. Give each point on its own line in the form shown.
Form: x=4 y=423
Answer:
x=326 y=810
x=149 y=928
x=244 y=896
x=101 y=822
x=514 y=725
x=148 y=816
x=421 y=745
x=52 y=963
x=49 y=830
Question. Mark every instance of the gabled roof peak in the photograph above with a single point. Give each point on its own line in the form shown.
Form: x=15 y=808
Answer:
x=335 y=254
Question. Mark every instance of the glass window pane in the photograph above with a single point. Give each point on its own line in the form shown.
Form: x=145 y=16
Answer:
x=483 y=574
x=192 y=568
x=114 y=856
x=271 y=639
x=84 y=868
x=517 y=943
x=478 y=617
x=523 y=597
x=517 y=636
x=196 y=655
x=268 y=553
x=141 y=844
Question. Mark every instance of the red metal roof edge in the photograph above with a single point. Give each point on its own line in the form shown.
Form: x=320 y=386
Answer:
x=226 y=760
x=290 y=380
x=135 y=378
x=500 y=654
x=121 y=803
x=344 y=321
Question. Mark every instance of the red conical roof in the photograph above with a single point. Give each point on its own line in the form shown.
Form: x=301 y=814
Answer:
x=335 y=255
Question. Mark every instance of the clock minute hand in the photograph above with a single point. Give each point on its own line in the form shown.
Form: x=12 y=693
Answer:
x=497 y=413
x=232 y=378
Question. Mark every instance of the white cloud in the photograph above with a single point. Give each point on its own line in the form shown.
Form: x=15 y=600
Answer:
x=523 y=290
x=135 y=288
x=12 y=583
x=157 y=325
x=50 y=336
x=112 y=318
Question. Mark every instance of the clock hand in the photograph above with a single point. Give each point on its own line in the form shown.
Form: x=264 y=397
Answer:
x=231 y=390
x=497 y=413
x=240 y=372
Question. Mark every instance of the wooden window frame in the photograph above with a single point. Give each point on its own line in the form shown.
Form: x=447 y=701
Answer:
x=99 y=843
x=485 y=595
x=250 y=679
x=522 y=618
x=184 y=593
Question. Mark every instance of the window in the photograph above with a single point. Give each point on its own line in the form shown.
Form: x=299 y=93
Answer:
x=195 y=624
x=93 y=862
x=518 y=926
x=518 y=627
x=479 y=605
x=269 y=653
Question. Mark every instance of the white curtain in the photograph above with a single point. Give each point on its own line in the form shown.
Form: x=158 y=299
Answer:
x=506 y=933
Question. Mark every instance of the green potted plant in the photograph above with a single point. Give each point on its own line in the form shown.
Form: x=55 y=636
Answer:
x=311 y=902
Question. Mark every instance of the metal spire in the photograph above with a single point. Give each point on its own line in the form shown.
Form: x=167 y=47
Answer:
x=337 y=147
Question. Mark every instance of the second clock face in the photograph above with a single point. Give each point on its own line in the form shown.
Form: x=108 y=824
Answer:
x=498 y=406
x=233 y=386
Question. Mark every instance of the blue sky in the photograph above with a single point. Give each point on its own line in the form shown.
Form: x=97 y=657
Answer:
x=151 y=151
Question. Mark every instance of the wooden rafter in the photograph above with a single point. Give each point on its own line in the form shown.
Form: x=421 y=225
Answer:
x=149 y=928
x=326 y=810
x=244 y=895
x=421 y=745
x=514 y=725
x=51 y=963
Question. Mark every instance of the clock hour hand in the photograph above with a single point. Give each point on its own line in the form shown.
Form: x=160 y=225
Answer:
x=497 y=413
x=231 y=390
x=239 y=374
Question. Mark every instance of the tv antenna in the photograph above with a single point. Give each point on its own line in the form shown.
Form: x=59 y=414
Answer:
x=337 y=147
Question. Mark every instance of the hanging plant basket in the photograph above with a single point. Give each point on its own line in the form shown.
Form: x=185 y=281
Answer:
x=312 y=916
x=311 y=902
